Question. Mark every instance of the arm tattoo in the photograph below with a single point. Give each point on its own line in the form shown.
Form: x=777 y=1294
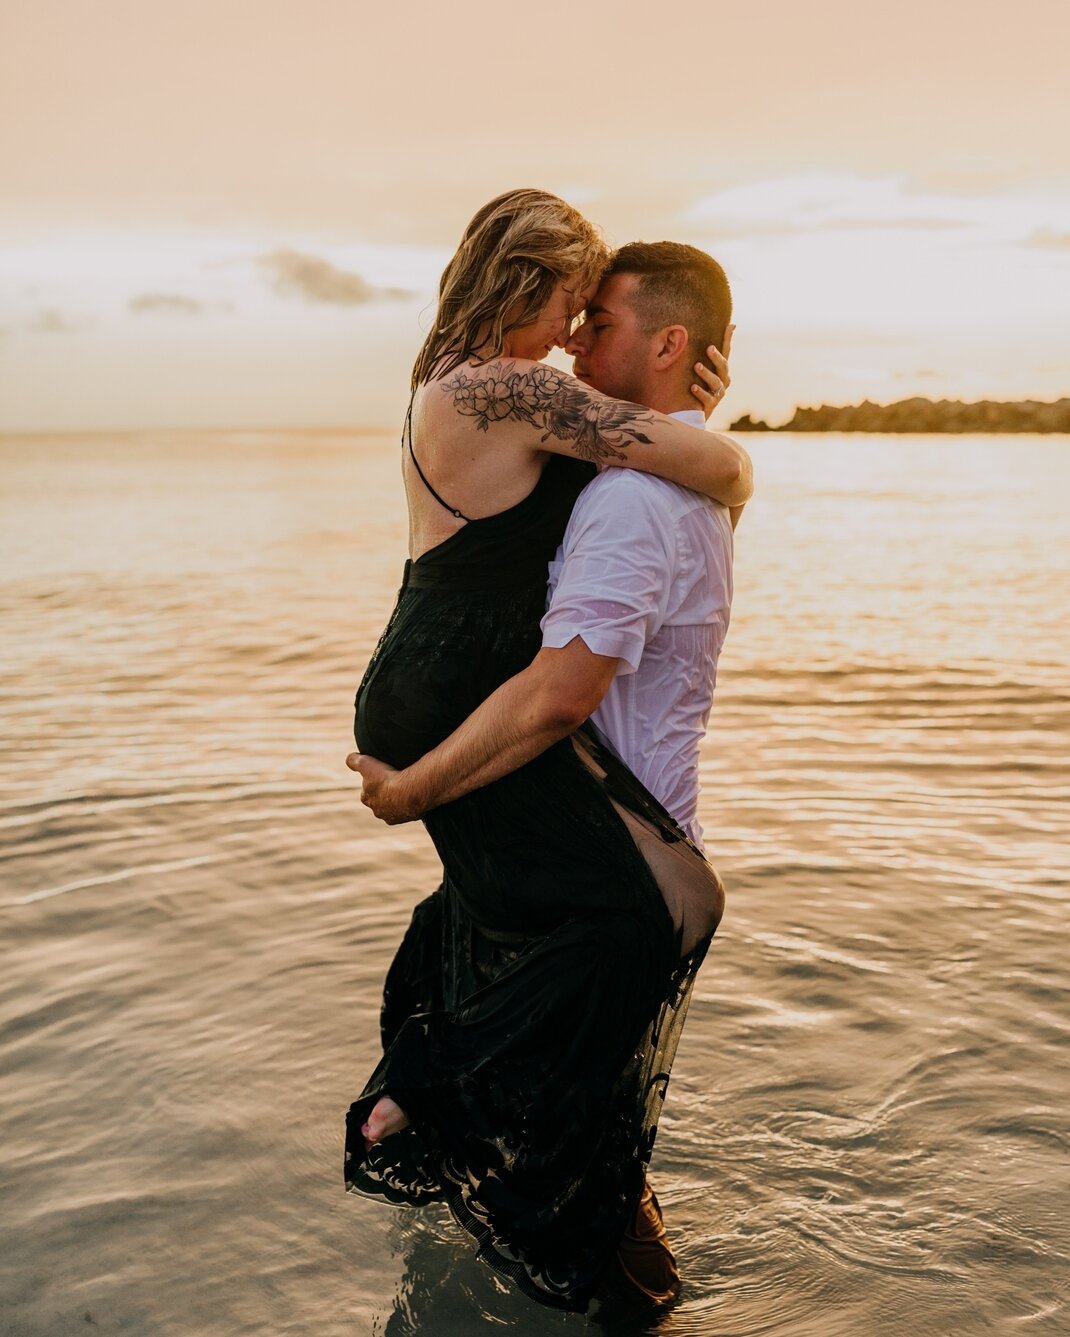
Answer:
x=554 y=404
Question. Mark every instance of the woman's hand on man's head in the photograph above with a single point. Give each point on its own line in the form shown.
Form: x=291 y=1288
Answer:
x=712 y=385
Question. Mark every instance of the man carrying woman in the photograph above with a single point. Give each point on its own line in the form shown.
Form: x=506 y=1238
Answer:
x=532 y=1011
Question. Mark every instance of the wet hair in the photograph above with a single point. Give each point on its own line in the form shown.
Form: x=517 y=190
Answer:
x=503 y=274
x=678 y=285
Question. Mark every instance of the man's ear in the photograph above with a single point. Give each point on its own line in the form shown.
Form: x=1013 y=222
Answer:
x=671 y=346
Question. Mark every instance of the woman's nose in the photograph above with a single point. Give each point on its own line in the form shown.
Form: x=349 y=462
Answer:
x=572 y=342
x=564 y=334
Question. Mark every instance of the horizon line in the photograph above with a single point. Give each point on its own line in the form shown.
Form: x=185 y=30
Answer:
x=365 y=429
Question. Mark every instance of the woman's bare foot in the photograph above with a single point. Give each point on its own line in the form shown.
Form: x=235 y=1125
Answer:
x=386 y=1117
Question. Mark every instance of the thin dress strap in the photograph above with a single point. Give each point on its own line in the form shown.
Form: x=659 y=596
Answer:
x=408 y=437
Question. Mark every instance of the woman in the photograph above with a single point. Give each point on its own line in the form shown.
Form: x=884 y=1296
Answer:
x=532 y=1011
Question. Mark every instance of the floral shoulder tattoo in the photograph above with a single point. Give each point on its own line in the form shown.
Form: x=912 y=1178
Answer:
x=554 y=404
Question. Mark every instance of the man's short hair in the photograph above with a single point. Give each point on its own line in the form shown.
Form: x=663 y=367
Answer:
x=678 y=285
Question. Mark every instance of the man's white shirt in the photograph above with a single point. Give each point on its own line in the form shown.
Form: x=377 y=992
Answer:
x=644 y=574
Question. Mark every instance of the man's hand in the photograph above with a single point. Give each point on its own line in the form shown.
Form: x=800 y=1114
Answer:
x=716 y=381
x=382 y=790
x=528 y=713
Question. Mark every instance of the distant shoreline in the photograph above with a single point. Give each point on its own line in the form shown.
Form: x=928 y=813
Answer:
x=923 y=415
x=927 y=416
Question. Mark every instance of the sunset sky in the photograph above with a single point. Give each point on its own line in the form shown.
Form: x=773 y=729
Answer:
x=226 y=213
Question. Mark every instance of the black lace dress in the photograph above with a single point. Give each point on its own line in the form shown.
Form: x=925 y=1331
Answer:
x=533 y=1008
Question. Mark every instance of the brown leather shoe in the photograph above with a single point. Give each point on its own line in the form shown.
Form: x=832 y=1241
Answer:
x=644 y=1256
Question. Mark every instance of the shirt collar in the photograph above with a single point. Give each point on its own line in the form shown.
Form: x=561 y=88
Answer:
x=691 y=416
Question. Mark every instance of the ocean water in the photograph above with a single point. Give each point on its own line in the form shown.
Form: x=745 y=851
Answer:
x=866 y=1131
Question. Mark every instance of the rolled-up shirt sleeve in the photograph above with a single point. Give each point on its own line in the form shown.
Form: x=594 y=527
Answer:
x=614 y=575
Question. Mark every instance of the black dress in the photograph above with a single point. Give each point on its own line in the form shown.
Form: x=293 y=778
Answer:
x=533 y=1008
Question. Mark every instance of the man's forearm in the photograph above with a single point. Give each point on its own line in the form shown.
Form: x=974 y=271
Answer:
x=512 y=726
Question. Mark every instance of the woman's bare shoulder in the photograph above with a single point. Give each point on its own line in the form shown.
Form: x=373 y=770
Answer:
x=500 y=379
x=502 y=393
x=547 y=408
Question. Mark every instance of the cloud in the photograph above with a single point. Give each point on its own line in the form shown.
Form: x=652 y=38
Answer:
x=297 y=274
x=167 y=302
x=50 y=321
x=812 y=202
x=787 y=228
x=1048 y=239
x=923 y=375
x=925 y=224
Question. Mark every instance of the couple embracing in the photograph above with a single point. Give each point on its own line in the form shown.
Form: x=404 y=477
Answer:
x=550 y=744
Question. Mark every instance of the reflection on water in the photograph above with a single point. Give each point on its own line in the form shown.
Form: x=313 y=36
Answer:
x=866 y=1130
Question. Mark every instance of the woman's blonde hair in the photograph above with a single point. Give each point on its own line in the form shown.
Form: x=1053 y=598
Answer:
x=512 y=254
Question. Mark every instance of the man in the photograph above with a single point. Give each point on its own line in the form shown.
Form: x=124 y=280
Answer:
x=640 y=596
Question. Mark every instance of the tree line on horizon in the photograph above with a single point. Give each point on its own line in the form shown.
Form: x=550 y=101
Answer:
x=923 y=415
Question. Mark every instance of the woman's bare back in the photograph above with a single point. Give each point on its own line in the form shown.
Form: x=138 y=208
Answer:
x=474 y=474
